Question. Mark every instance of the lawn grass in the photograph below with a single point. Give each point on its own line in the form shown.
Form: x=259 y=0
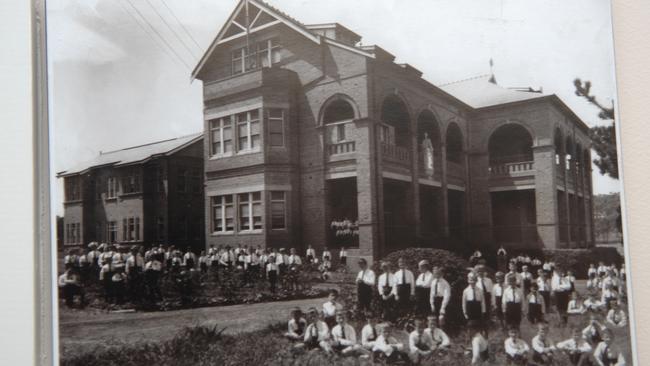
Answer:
x=208 y=346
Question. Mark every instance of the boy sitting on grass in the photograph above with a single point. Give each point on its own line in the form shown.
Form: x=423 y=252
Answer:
x=369 y=332
x=439 y=337
x=317 y=333
x=607 y=353
x=344 y=337
x=593 y=332
x=576 y=348
x=420 y=343
x=516 y=349
x=296 y=326
x=543 y=348
x=616 y=316
x=387 y=347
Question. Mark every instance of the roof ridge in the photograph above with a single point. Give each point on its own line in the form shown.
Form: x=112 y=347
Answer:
x=150 y=143
x=463 y=80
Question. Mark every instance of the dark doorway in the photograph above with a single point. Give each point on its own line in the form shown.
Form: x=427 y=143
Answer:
x=514 y=218
x=456 y=210
x=398 y=223
x=343 y=213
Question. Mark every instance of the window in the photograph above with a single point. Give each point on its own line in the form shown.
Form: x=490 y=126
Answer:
x=73 y=188
x=160 y=228
x=384 y=134
x=98 y=189
x=195 y=180
x=250 y=211
x=276 y=127
x=111 y=191
x=181 y=182
x=340 y=132
x=160 y=179
x=248 y=130
x=223 y=214
x=111 y=232
x=73 y=233
x=131 y=182
x=131 y=229
x=278 y=210
x=261 y=54
x=567 y=162
x=221 y=136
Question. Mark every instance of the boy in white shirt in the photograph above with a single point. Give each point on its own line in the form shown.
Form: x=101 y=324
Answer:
x=592 y=304
x=330 y=308
x=317 y=333
x=423 y=289
x=296 y=326
x=440 y=294
x=365 y=283
x=385 y=286
x=593 y=332
x=616 y=316
x=369 y=331
x=387 y=347
x=344 y=337
x=607 y=353
x=404 y=287
x=543 y=348
x=516 y=349
x=439 y=337
x=420 y=343
x=512 y=303
x=497 y=297
x=576 y=348
x=536 y=305
x=575 y=307
x=473 y=303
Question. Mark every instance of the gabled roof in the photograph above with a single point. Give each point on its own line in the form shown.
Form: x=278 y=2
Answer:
x=251 y=16
x=480 y=92
x=134 y=155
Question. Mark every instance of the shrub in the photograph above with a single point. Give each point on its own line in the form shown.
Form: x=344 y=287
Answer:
x=578 y=260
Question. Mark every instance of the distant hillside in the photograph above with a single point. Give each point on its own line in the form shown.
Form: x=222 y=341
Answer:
x=607 y=210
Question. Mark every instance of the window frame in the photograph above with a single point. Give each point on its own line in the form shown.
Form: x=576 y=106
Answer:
x=112 y=190
x=271 y=119
x=131 y=182
x=220 y=202
x=250 y=204
x=248 y=124
x=262 y=53
x=221 y=126
x=111 y=228
x=284 y=210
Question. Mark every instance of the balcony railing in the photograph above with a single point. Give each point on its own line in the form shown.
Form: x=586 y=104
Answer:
x=397 y=153
x=341 y=148
x=511 y=168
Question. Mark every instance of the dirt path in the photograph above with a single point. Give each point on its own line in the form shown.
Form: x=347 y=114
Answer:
x=80 y=334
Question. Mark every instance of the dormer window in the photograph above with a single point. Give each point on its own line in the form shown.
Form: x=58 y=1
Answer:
x=259 y=54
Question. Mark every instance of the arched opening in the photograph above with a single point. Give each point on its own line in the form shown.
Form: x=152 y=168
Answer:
x=337 y=117
x=429 y=143
x=569 y=154
x=338 y=110
x=559 y=151
x=395 y=120
x=454 y=142
x=510 y=143
x=430 y=160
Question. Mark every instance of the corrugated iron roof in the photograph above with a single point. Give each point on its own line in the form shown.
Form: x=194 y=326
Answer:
x=479 y=92
x=134 y=154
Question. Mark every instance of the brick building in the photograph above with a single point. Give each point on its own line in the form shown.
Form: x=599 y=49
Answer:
x=149 y=194
x=305 y=127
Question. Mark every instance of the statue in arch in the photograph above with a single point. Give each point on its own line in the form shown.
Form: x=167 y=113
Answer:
x=427 y=153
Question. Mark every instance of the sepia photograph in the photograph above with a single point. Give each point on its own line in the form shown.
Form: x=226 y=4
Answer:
x=308 y=182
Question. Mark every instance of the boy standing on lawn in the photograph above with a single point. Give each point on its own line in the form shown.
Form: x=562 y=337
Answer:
x=536 y=305
x=497 y=297
x=440 y=294
x=272 y=273
x=474 y=307
x=365 y=283
x=512 y=303
x=404 y=287
x=385 y=285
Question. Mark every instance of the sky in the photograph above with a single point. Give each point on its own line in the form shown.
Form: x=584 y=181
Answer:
x=120 y=69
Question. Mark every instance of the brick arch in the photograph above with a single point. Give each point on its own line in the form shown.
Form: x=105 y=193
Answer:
x=510 y=142
x=392 y=115
x=395 y=93
x=436 y=119
x=486 y=138
x=335 y=98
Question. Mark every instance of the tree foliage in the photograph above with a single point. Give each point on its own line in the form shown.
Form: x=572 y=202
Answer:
x=604 y=137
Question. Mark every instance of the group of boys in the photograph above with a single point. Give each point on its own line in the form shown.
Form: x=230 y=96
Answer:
x=129 y=272
x=512 y=296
